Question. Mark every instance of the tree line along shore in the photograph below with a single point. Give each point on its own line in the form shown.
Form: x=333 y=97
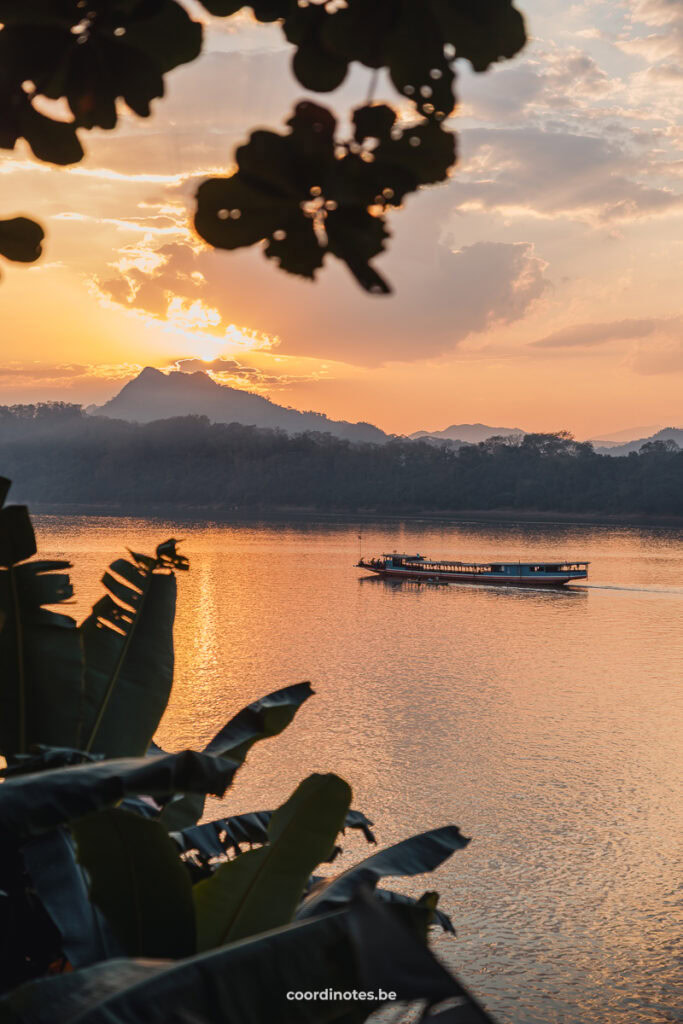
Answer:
x=57 y=454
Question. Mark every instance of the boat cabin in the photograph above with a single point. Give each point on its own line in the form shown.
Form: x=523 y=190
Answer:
x=417 y=566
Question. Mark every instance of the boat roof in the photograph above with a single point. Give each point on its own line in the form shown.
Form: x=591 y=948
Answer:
x=493 y=561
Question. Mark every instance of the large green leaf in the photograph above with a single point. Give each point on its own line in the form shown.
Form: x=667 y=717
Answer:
x=41 y=680
x=42 y=757
x=266 y=717
x=128 y=649
x=261 y=889
x=413 y=856
x=436 y=916
x=17 y=539
x=429 y=900
x=138 y=881
x=31 y=804
x=206 y=846
x=59 y=882
x=247 y=982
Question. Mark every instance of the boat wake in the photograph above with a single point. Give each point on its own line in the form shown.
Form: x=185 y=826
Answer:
x=631 y=590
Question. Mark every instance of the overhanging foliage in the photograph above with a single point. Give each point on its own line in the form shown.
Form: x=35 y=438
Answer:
x=306 y=194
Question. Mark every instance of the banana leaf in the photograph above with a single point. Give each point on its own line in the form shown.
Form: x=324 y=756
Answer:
x=41 y=757
x=60 y=884
x=41 y=684
x=402 y=899
x=398 y=899
x=366 y=947
x=128 y=649
x=31 y=804
x=261 y=889
x=17 y=539
x=205 y=846
x=138 y=882
x=413 y=856
x=266 y=717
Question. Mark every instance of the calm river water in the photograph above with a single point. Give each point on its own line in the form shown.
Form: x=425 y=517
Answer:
x=546 y=725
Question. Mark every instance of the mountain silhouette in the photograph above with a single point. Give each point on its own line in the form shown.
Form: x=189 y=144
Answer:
x=471 y=433
x=154 y=395
x=674 y=434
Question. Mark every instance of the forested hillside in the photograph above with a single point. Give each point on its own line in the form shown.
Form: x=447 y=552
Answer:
x=57 y=454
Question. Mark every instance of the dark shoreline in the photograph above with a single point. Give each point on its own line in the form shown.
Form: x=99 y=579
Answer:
x=254 y=514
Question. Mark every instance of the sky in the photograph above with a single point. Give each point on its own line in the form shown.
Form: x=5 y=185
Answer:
x=539 y=288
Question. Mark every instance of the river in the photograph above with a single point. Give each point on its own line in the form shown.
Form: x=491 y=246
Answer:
x=547 y=725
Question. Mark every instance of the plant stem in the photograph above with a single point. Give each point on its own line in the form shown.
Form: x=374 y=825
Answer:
x=119 y=664
x=21 y=669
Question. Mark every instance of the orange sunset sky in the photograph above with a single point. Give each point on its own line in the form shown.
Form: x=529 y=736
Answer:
x=539 y=288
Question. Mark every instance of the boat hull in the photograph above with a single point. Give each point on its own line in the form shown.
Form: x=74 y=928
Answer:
x=485 y=579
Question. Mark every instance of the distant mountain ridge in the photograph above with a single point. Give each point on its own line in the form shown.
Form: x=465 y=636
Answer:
x=674 y=434
x=154 y=395
x=624 y=436
x=469 y=433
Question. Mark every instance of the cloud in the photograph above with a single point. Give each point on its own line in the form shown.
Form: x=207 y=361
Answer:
x=537 y=172
x=49 y=381
x=80 y=383
x=65 y=374
x=587 y=335
x=548 y=79
x=442 y=296
x=666 y=42
x=237 y=374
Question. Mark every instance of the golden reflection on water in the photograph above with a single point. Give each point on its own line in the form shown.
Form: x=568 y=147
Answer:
x=546 y=725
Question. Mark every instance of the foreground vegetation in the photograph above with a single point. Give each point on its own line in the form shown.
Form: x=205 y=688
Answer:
x=58 y=455
x=116 y=906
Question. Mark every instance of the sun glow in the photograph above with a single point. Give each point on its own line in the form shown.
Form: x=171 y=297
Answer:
x=234 y=341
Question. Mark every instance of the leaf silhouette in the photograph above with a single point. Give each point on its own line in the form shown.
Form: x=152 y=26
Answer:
x=308 y=194
x=262 y=719
x=41 y=680
x=128 y=649
x=20 y=239
x=31 y=804
x=206 y=846
x=138 y=882
x=413 y=856
x=260 y=889
x=416 y=42
x=60 y=884
x=365 y=947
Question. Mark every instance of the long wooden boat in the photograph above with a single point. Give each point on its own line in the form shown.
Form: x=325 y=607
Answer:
x=543 y=573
